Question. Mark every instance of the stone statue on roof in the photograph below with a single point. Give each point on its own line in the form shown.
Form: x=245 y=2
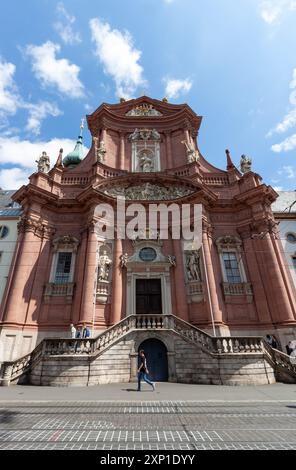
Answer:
x=43 y=163
x=245 y=164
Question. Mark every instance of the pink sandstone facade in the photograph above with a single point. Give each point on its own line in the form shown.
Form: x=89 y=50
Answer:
x=147 y=150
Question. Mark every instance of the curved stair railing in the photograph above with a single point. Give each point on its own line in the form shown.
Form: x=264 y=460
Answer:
x=93 y=347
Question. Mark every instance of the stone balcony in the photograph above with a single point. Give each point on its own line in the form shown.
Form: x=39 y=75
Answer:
x=59 y=290
x=233 y=291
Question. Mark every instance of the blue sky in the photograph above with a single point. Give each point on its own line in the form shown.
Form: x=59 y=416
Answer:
x=232 y=61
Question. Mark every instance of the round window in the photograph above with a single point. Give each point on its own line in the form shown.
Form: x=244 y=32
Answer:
x=147 y=254
x=3 y=231
x=291 y=237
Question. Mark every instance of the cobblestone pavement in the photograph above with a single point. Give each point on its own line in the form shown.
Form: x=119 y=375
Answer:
x=148 y=425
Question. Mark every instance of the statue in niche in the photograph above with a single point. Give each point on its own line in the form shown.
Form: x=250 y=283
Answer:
x=192 y=155
x=245 y=164
x=146 y=162
x=43 y=163
x=193 y=266
x=104 y=266
x=101 y=152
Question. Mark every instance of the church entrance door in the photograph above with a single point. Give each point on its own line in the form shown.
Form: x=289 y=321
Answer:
x=157 y=360
x=148 y=296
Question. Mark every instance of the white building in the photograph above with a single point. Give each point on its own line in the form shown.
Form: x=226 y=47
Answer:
x=9 y=217
x=285 y=214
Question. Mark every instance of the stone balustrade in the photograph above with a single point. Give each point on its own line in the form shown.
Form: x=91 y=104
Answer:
x=232 y=345
x=58 y=290
x=242 y=288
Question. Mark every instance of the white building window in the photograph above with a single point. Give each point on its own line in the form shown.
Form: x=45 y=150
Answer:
x=291 y=237
x=3 y=231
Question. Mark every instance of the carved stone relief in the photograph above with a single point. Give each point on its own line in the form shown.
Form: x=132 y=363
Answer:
x=149 y=191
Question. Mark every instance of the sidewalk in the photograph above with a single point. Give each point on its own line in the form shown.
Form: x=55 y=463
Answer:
x=164 y=392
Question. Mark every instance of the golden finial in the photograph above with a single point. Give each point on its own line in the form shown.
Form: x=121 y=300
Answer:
x=165 y=100
x=82 y=124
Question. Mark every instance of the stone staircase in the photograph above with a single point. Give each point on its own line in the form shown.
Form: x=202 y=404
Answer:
x=229 y=352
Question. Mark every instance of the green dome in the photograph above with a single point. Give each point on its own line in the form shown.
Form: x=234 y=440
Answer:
x=76 y=156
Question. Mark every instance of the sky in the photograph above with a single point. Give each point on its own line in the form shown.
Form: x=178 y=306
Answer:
x=232 y=61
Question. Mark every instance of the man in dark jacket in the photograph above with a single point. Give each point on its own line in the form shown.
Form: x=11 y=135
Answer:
x=143 y=371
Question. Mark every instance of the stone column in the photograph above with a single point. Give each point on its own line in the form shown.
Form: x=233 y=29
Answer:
x=79 y=277
x=282 y=310
x=36 y=297
x=260 y=298
x=186 y=135
x=86 y=313
x=169 y=150
x=213 y=287
x=285 y=271
x=22 y=278
x=116 y=305
x=103 y=135
x=122 y=151
x=180 y=286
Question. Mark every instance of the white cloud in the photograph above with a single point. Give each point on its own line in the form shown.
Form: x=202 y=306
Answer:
x=9 y=97
x=272 y=10
x=278 y=188
x=38 y=112
x=15 y=151
x=286 y=145
x=11 y=101
x=64 y=26
x=55 y=72
x=175 y=87
x=13 y=178
x=23 y=154
x=289 y=171
x=288 y=122
x=120 y=59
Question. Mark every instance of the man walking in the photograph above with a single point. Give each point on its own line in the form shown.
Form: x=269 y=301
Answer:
x=143 y=371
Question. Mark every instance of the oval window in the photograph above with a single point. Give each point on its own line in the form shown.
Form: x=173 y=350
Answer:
x=147 y=254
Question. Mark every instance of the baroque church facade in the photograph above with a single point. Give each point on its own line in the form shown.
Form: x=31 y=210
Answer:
x=145 y=150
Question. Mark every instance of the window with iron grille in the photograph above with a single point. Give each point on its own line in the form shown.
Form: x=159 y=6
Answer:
x=63 y=270
x=231 y=267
